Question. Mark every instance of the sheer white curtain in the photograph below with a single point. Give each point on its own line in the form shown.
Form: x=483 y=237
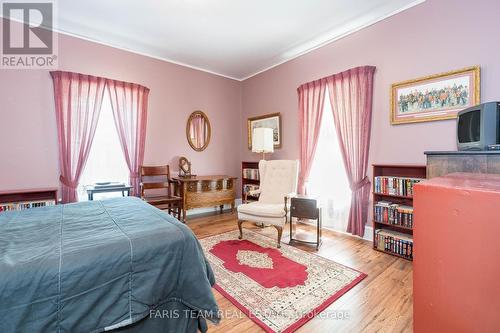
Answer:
x=106 y=161
x=328 y=179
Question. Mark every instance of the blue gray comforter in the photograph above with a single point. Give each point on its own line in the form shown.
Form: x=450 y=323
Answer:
x=95 y=266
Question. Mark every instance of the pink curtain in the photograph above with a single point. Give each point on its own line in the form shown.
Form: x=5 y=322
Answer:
x=351 y=99
x=311 y=102
x=129 y=102
x=78 y=100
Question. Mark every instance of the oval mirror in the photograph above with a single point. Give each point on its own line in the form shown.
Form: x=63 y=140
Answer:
x=198 y=130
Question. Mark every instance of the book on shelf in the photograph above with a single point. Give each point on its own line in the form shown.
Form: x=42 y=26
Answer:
x=392 y=213
x=5 y=207
x=250 y=187
x=251 y=174
x=394 y=242
x=25 y=205
x=401 y=186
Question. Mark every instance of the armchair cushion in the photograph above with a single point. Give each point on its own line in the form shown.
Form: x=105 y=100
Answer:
x=263 y=209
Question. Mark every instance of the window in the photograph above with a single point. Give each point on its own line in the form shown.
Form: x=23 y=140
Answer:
x=106 y=161
x=328 y=179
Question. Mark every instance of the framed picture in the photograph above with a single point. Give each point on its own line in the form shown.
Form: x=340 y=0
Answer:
x=272 y=120
x=435 y=97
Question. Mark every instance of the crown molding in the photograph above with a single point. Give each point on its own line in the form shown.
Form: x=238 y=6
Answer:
x=335 y=38
x=239 y=79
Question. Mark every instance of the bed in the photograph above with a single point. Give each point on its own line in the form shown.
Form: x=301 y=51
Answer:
x=113 y=265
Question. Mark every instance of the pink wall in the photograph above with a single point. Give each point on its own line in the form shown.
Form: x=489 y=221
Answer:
x=28 y=138
x=433 y=37
x=436 y=36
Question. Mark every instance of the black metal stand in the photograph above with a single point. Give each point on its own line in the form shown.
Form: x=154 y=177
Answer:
x=306 y=208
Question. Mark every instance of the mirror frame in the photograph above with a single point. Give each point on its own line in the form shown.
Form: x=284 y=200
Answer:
x=185 y=173
x=209 y=128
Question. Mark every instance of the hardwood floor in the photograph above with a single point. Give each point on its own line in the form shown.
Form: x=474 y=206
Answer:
x=382 y=302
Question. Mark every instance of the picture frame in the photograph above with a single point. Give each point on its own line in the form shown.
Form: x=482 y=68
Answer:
x=435 y=97
x=272 y=120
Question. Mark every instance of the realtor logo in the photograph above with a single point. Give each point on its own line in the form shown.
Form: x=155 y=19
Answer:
x=28 y=40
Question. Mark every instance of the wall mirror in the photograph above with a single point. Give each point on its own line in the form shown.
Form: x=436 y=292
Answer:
x=198 y=130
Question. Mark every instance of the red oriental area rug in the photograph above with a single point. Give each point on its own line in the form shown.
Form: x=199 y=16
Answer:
x=279 y=289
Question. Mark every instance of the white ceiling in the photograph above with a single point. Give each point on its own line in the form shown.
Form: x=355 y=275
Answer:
x=232 y=38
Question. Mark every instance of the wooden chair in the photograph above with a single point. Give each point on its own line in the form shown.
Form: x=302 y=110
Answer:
x=156 y=189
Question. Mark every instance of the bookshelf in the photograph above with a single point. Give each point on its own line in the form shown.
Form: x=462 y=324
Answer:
x=27 y=198
x=249 y=178
x=393 y=207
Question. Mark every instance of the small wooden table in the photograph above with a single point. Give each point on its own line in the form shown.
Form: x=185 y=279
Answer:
x=206 y=191
x=306 y=207
x=107 y=189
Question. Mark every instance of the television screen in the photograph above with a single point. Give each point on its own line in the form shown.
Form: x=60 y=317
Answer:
x=469 y=127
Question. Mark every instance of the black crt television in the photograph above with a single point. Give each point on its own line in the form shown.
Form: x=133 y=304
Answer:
x=479 y=126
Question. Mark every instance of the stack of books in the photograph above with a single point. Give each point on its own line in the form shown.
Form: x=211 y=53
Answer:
x=395 y=214
x=395 y=185
x=251 y=174
x=4 y=207
x=394 y=242
x=249 y=187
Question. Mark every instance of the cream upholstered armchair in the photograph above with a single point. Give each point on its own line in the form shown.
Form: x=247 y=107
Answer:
x=278 y=182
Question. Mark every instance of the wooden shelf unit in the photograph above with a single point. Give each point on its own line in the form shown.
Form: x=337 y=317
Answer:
x=248 y=181
x=394 y=170
x=29 y=196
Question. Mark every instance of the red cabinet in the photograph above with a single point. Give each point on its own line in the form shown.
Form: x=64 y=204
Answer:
x=456 y=269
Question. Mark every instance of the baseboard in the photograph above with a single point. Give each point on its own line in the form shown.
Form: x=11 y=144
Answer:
x=200 y=211
x=368 y=233
x=367 y=236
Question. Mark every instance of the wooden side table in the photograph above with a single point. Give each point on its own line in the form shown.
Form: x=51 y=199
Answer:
x=306 y=207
